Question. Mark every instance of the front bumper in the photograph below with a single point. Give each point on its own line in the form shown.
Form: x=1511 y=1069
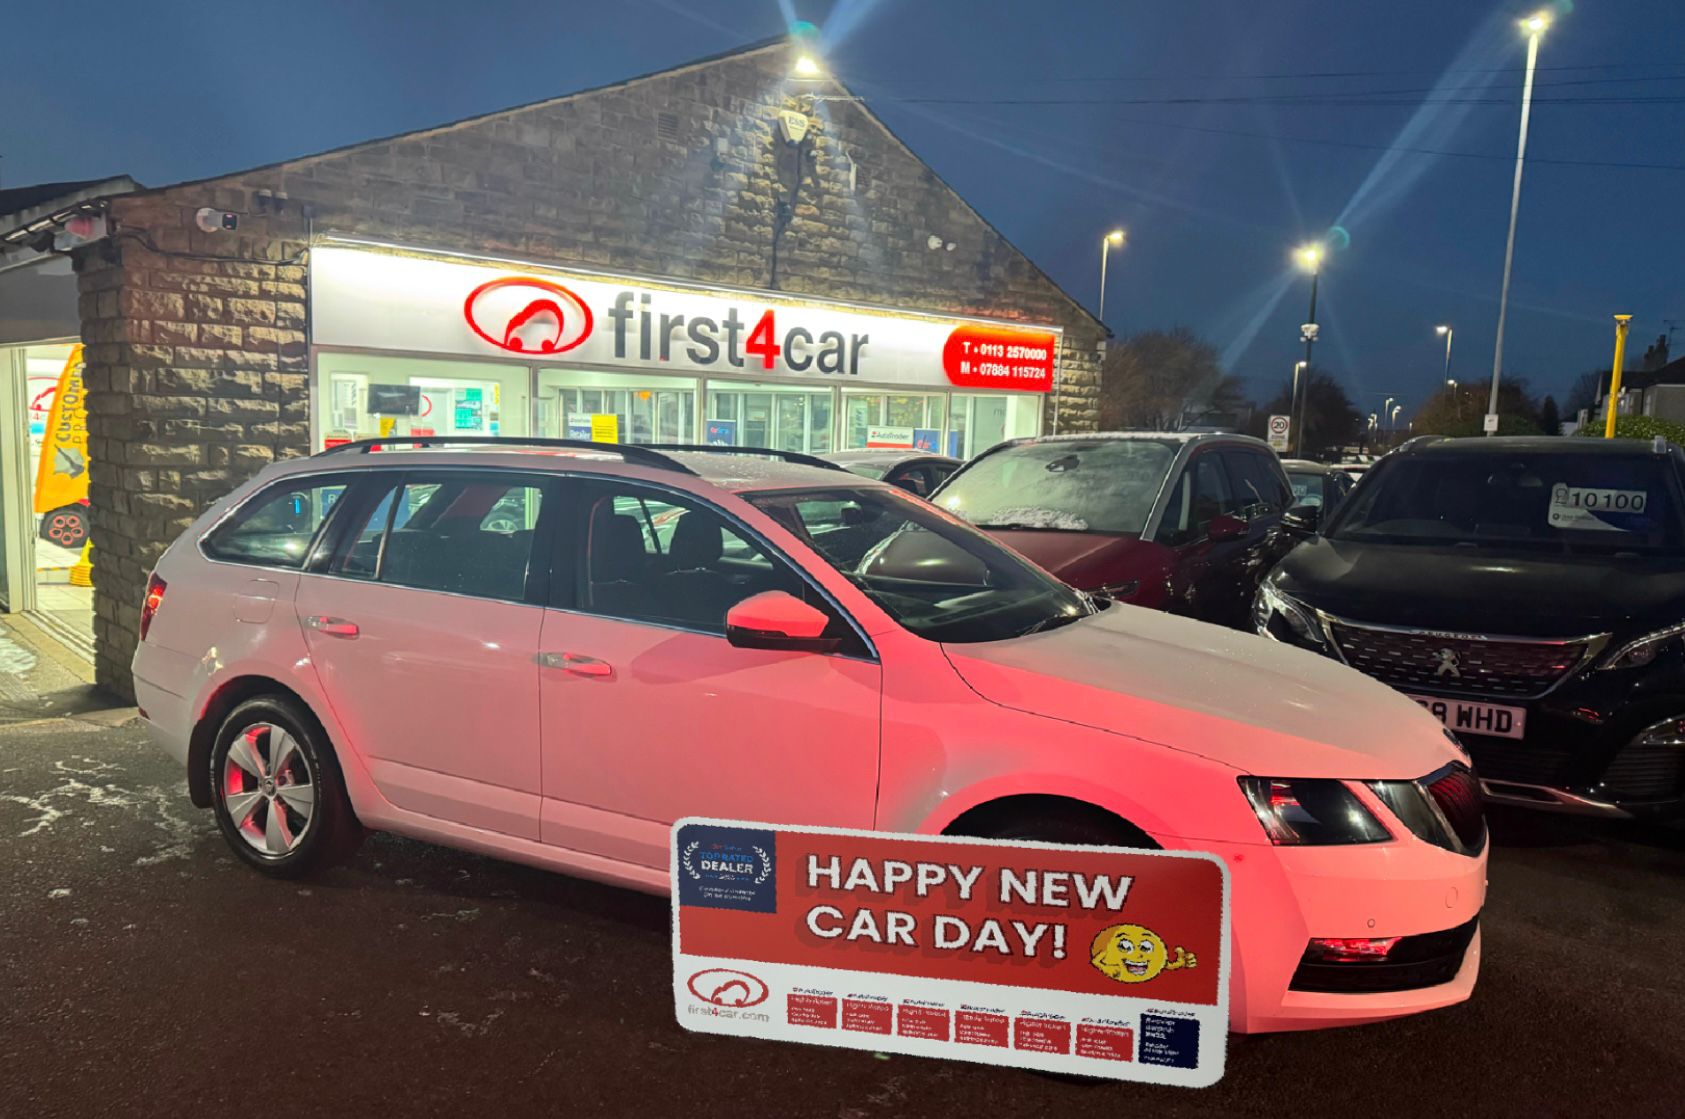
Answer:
x=1282 y=897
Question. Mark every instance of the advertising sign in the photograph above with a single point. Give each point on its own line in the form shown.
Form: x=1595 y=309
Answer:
x=722 y=433
x=890 y=437
x=1278 y=429
x=605 y=427
x=384 y=301
x=61 y=477
x=926 y=439
x=1092 y=961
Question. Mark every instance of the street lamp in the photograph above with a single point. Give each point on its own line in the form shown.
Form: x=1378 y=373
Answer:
x=1115 y=237
x=1534 y=26
x=1447 y=331
x=1309 y=258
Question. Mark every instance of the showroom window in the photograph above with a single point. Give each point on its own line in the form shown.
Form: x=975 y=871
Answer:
x=653 y=557
x=366 y=396
x=980 y=420
x=616 y=407
x=874 y=419
x=276 y=528
x=468 y=534
x=782 y=417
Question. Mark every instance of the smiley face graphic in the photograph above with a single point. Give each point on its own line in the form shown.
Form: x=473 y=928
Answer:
x=1133 y=954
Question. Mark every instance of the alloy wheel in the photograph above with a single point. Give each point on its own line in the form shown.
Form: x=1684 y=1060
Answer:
x=268 y=789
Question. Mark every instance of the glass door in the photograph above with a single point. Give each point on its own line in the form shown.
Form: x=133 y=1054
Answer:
x=893 y=420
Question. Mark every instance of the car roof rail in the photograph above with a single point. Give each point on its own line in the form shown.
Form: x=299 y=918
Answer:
x=796 y=457
x=631 y=452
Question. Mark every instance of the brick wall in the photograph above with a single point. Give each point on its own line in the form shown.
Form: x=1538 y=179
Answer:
x=197 y=342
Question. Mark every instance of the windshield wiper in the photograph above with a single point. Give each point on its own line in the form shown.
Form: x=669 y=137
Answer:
x=1052 y=621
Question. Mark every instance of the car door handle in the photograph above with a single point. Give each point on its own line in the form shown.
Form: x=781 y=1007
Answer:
x=331 y=627
x=576 y=664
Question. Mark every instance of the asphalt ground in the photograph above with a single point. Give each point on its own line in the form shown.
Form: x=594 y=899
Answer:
x=144 y=972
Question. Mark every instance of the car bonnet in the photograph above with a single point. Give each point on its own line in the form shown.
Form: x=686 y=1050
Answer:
x=1246 y=701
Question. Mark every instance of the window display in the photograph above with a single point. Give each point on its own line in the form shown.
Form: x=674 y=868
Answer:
x=365 y=396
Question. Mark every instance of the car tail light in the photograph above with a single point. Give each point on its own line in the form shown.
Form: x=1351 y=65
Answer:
x=155 y=588
x=1350 y=949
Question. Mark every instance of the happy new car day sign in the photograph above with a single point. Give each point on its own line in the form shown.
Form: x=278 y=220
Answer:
x=1096 y=961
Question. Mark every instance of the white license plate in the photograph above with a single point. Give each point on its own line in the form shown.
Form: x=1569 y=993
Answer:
x=1464 y=717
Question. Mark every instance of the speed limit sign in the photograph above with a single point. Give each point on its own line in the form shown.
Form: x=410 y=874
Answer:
x=1278 y=429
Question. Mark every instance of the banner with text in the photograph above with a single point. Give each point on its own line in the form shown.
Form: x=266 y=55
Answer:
x=1095 y=961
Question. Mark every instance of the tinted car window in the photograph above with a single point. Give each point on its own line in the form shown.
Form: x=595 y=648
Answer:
x=652 y=556
x=1258 y=488
x=935 y=575
x=277 y=526
x=470 y=535
x=1549 y=500
x=1201 y=493
x=1082 y=485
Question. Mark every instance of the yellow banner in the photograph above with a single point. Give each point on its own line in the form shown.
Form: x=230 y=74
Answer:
x=62 y=476
x=605 y=427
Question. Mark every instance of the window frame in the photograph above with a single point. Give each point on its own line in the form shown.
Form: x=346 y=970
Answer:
x=243 y=510
x=381 y=481
x=568 y=559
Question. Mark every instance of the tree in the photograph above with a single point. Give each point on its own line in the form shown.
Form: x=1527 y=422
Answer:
x=1330 y=420
x=1166 y=380
x=1584 y=394
x=1462 y=410
x=1549 y=421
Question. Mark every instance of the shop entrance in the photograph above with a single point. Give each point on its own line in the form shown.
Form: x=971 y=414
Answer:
x=45 y=565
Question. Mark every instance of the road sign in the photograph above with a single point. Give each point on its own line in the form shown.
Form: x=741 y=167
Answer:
x=1095 y=961
x=1279 y=427
x=1491 y=424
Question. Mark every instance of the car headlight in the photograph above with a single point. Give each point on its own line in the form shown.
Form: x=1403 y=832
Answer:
x=1301 y=622
x=1637 y=654
x=1317 y=811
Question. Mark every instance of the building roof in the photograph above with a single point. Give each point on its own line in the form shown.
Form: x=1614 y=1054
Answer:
x=23 y=206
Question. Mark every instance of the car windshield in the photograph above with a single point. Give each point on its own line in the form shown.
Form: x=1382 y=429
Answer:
x=935 y=575
x=1075 y=485
x=1528 y=499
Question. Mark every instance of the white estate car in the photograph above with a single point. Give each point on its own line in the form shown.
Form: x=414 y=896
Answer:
x=551 y=652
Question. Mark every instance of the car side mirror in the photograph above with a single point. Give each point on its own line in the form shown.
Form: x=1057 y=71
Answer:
x=1225 y=526
x=1303 y=518
x=778 y=620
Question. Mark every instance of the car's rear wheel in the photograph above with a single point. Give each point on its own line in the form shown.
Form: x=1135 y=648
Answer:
x=277 y=791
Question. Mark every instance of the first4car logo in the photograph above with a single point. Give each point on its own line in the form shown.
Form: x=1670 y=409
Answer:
x=526 y=315
x=725 y=987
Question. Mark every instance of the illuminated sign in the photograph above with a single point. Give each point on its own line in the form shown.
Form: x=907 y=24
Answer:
x=372 y=300
x=1084 y=960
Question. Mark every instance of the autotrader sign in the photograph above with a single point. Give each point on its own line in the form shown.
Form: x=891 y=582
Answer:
x=1085 y=960
x=373 y=300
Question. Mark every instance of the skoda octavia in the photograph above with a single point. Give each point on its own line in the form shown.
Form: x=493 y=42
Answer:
x=549 y=653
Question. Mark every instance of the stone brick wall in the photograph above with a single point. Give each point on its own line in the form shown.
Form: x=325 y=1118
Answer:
x=197 y=342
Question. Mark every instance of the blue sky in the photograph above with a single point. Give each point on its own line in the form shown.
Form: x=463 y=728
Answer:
x=1221 y=133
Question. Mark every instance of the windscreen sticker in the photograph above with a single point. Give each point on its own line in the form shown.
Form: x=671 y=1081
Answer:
x=1578 y=507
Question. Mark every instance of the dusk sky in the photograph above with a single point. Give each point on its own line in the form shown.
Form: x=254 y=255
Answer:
x=1219 y=133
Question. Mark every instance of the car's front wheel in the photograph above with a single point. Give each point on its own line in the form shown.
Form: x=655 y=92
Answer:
x=278 y=795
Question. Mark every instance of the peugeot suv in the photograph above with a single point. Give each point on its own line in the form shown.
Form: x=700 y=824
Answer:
x=1185 y=523
x=549 y=653
x=1530 y=593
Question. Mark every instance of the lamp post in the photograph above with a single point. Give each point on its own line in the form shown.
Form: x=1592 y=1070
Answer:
x=1309 y=258
x=1115 y=237
x=1447 y=331
x=1535 y=26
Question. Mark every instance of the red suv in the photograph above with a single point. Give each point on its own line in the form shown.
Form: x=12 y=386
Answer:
x=1173 y=522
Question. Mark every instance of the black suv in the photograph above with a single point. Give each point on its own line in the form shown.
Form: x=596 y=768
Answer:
x=1528 y=591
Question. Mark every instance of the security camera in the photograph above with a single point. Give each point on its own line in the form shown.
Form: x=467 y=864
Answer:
x=933 y=242
x=793 y=126
x=216 y=221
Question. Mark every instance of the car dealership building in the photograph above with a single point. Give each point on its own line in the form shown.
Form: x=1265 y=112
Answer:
x=725 y=252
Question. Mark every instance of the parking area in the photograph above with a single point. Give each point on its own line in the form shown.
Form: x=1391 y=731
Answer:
x=143 y=967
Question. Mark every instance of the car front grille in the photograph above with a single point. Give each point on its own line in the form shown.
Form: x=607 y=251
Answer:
x=1426 y=960
x=1458 y=795
x=1525 y=763
x=1474 y=665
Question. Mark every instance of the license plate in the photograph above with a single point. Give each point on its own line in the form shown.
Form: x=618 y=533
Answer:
x=1461 y=716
